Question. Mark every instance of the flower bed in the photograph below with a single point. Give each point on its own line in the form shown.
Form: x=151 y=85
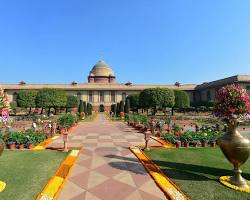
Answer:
x=22 y=139
x=201 y=138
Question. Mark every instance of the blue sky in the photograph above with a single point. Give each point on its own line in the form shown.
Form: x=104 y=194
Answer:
x=145 y=41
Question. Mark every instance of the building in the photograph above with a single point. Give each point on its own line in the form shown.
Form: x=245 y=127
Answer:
x=102 y=90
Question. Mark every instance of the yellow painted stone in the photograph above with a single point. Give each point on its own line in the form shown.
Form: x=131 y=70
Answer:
x=2 y=186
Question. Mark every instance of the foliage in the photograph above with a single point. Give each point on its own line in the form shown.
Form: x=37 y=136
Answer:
x=170 y=137
x=117 y=111
x=51 y=98
x=232 y=102
x=4 y=101
x=156 y=98
x=127 y=106
x=81 y=107
x=137 y=118
x=66 y=121
x=89 y=109
x=72 y=101
x=181 y=99
x=121 y=106
x=134 y=101
x=27 y=99
x=13 y=106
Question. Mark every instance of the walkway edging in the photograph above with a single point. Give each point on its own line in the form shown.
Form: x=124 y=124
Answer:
x=165 y=184
x=57 y=181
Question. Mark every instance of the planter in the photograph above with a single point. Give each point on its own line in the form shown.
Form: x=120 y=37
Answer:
x=21 y=146
x=30 y=146
x=194 y=144
x=62 y=130
x=212 y=143
x=12 y=146
x=4 y=146
x=186 y=144
x=203 y=143
x=177 y=144
x=236 y=149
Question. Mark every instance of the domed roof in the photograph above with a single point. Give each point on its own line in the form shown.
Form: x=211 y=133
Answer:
x=101 y=69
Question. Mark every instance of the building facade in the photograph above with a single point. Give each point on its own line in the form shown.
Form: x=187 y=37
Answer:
x=102 y=89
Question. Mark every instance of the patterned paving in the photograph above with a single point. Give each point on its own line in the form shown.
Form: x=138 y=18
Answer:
x=106 y=169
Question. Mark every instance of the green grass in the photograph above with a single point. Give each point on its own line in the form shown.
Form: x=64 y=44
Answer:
x=196 y=171
x=27 y=172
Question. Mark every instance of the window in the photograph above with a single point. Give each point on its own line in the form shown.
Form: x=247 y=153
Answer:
x=124 y=95
x=208 y=95
x=90 y=96
x=101 y=96
x=112 y=96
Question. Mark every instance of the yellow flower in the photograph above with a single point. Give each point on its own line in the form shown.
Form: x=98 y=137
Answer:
x=2 y=186
x=225 y=181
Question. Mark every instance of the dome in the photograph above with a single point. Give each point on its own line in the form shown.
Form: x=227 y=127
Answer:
x=101 y=69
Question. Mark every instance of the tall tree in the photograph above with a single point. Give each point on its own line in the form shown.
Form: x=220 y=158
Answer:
x=127 y=106
x=121 y=106
x=156 y=98
x=81 y=107
x=181 y=100
x=89 y=109
x=72 y=102
x=27 y=99
x=134 y=101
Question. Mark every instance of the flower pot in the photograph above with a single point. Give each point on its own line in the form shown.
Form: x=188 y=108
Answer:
x=203 y=144
x=12 y=146
x=62 y=130
x=4 y=146
x=177 y=144
x=30 y=146
x=212 y=143
x=194 y=144
x=186 y=144
x=21 y=146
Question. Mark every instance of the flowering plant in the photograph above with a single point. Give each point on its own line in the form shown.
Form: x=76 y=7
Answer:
x=231 y=103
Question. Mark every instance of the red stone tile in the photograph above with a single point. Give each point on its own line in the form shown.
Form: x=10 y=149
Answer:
x=112 y=189
x=147 y=196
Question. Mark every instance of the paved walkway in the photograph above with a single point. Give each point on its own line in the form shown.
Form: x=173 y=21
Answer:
x=106 y=169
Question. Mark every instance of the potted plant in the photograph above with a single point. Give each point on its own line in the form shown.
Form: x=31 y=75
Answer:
x=212 y=143
x=178 y=143
x=65 y=122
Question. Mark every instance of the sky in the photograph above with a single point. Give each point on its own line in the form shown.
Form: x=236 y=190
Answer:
x=144 y=41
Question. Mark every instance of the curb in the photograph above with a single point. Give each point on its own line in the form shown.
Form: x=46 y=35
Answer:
x=164 y=183
x=57 y=181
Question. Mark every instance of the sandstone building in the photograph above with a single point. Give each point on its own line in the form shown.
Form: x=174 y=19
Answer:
x=102 y=89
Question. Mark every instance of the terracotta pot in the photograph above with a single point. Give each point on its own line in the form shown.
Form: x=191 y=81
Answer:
x=194 y=144
x=186 y=144
x=177 y=144
x=203 y=144
x=30 y=146
x=12 y=146
x=62 y=130
x=21 y=146
x=4 y=146
x=212 y=143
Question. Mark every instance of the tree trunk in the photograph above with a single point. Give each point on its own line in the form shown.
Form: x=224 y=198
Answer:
x=66 y=110
x=41 y=111
x=173 y=111
x=55 y=110
x=49 y=111
x=29 y=110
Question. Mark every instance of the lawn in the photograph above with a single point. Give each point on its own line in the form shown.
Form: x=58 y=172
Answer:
x=27 y=172
x=196 y=171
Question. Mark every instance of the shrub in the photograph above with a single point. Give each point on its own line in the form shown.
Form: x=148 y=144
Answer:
x=66 y=121
x=170 y=138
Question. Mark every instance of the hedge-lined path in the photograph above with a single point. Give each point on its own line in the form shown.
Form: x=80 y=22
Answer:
x=106 y=169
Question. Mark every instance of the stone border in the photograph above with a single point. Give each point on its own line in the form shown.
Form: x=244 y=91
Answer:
x=163 y=142
x=165 y=184
x=57 y=181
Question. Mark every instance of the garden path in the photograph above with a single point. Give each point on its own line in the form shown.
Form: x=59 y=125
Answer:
x=106 y=169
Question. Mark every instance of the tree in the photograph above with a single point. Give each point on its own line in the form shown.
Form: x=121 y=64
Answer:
x=81 y=107
x=117 y=111
x=182 y=100
x=156 y=98
x=121 y=106
x=127 y=106
x=134 y=101
x=72 y=102
x=27 y=99
x=85 y=107
x=89 y=109
x=51 y=98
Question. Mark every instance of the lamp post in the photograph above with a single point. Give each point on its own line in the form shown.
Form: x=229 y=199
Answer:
x=65 y=141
